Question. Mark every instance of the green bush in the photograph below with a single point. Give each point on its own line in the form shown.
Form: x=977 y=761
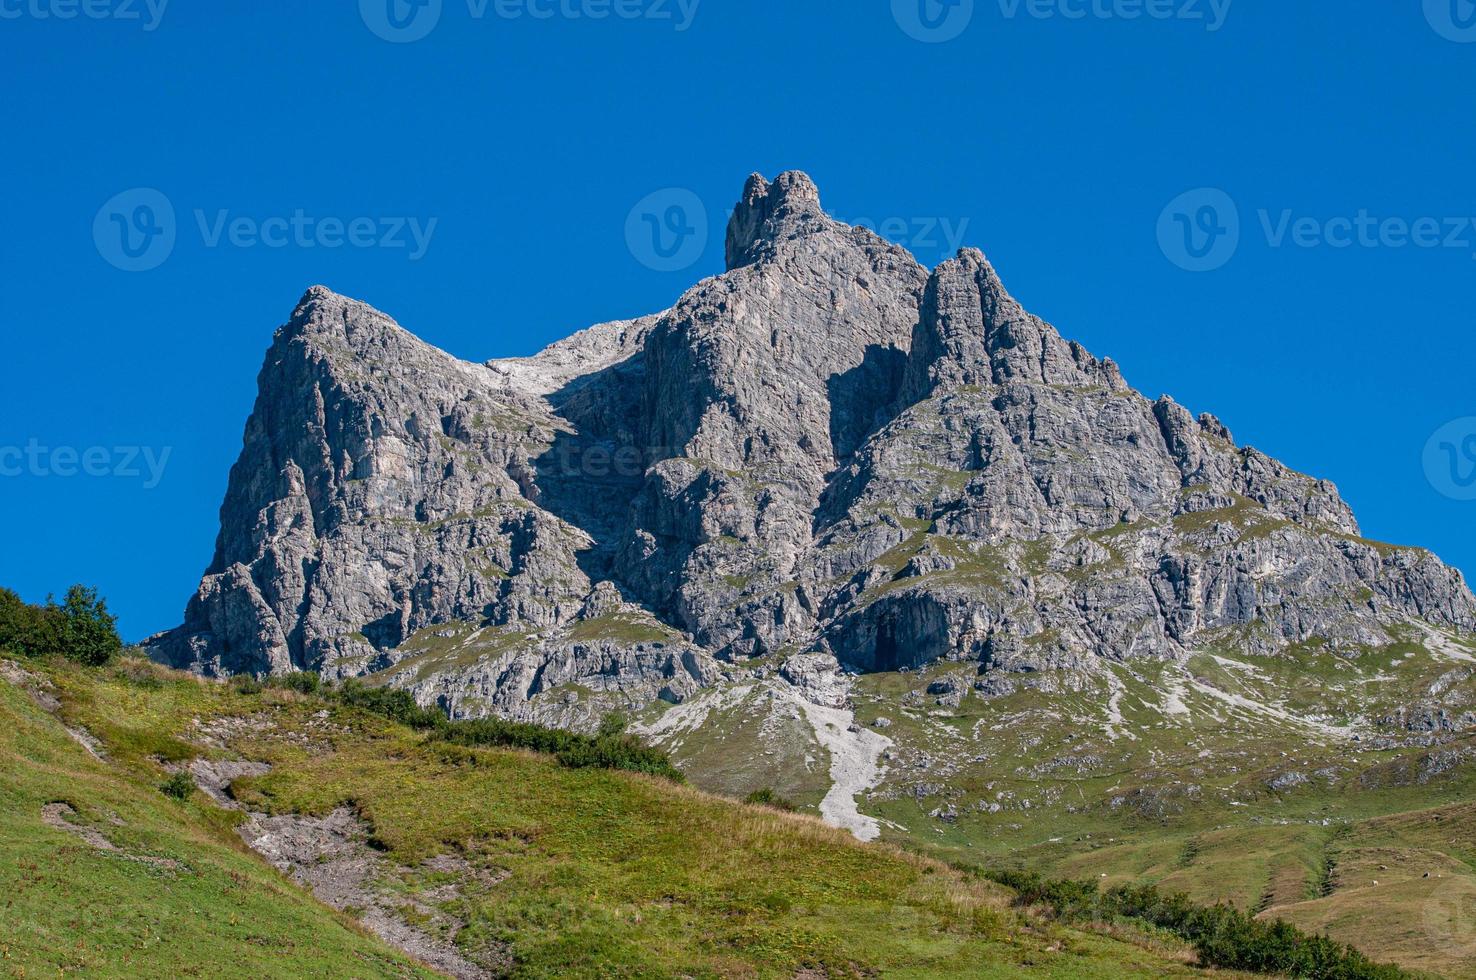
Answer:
x=619 y=753
x=611 y=749
x=246 y=684
x=392 y=703
x=614 y=724
x=1223 y=935
x=80 y=628
x=31 y=631
x=89 y=631
x=302 y=681
x=570 y=748
x=178 y=786
x=767 y=797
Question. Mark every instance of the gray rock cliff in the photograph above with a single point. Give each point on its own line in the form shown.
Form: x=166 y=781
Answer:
x=825 y=452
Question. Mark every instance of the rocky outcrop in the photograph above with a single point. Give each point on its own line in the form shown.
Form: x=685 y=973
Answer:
x=1025 y=491
x=758 y=384
x=827 y=454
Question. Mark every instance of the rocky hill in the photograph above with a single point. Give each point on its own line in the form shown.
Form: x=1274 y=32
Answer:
x=827 y=485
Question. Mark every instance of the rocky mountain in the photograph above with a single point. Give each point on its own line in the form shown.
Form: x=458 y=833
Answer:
x=825 y=467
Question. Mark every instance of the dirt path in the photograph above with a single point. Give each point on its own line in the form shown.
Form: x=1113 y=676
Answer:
x=331 y=857
x=40 y=688
x=58 y=815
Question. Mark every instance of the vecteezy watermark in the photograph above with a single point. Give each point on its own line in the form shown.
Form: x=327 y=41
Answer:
x=933 y=21
x=147 y=12
x=121 y=462
x=916 y=232
x=1450 y=459
x=1200 y=230
x=667 y=230
x=936 y=21
x=1211 y=13
x=302 y=230
x=1450 y=917
x=403 y=21
x=1364 y=230
x=1454 y=20
x=136 y=230
x=400 y=21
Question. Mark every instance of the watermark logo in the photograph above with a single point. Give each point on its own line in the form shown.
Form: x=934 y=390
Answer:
x=135 y=230
x=1364 y=230
x=400 y=21
x=1211 y=13
x=1450 y=459
x=303 y=230
x=667 y=230
x=933 y=21
x=149 y=13
x=1199 y=230
x=1454 y=20
x=1450 y=917
x=946 y=234
x=403 y=21
x=144 y=463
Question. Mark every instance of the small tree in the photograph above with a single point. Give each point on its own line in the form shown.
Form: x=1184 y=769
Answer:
x=179 y=786
x=767 y=797
x=614 y=725
x=89 y=631
x=14 y=616
x=32 y=631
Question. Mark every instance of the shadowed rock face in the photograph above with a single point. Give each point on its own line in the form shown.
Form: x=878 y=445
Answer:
x=827 y=450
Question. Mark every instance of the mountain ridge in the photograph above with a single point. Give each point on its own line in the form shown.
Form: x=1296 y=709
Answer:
x=826 y=460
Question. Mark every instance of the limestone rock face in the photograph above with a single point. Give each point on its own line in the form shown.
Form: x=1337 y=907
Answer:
x=758 y=384
x=826 y=454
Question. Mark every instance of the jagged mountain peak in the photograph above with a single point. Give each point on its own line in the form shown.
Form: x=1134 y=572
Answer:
x=765 y=210
x=973 y=332
x=322 y=311
x=827 y=453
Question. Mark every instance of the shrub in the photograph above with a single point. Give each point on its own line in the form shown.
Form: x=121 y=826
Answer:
x=302 y=681
x=614 y=724
x=767 y=797
x=1223 y=935
x=89 y=631
x=392 y=703
x=31 y=631
x=619 y=753
x=608 y=750
x=140 y=672
x=246 y=684
x=178 y=786
x=81 y=628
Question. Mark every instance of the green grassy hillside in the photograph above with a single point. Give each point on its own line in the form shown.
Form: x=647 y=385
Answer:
x=1285 y=785
x=172 y=892
x=516 y=863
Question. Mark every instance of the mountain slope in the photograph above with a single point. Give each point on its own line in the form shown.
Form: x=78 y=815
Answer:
x=105 y=876
x=865 y=533
x=871 y=535
x=521 y=866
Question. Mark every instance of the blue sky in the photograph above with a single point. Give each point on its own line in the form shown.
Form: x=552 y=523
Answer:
x=519 y=137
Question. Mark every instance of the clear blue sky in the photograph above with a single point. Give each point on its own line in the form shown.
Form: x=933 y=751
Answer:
x=1055 y=141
